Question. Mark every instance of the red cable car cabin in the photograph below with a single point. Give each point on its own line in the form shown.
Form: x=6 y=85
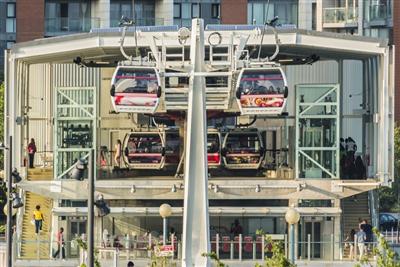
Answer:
x=243 y=149
x=144 y=150
x=261 y=91
x=213 y=148
x=135 y=89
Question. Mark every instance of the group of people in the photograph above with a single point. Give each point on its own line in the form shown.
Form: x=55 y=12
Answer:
x=363 y=238
x=352 y=167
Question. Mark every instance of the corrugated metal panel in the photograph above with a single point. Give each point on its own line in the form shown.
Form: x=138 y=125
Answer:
x=39 y=102
x=319 y=72
x=43 y=79
x=71 y=75
x=352 y=99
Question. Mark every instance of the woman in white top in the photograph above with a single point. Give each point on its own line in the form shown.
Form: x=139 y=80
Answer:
x=118 y=151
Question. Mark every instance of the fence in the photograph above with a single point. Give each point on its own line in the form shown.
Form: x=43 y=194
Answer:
x=230 y=248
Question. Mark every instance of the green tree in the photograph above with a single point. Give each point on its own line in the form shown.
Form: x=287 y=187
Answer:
x=389 y=197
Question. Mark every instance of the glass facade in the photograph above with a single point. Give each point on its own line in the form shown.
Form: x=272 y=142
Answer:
x=143 y=12
x=11 y=17
x=258 y=12
x=317 y=131
x=185 y=11
x=68 y=17
x=376 y=10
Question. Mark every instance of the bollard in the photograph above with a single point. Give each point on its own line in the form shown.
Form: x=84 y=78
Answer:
x=116 y=258
x=135 y=251
x=263 y=248
x=150 y=248
x=231 y=249
x=333 y=246
x=286 y=246
x=179 y=251
x=254 y=250
x=240 y=247
x=392 y=236
x=217 y=244
x=309 y=247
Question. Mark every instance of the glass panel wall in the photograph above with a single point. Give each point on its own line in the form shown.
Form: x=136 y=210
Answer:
x=260 y=11
x=317 y=132
x=68 y=17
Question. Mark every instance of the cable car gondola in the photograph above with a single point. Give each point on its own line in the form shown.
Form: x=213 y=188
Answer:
x=261 y=91
x=135 y=89
x=144 y=150
x=213 y=148
x=172 y=147
x=243 y=149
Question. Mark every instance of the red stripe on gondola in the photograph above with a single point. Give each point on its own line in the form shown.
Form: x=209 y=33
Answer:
x=263 y=79
x=263 y=96
x=135 y=77
x=136 y=94
x=244 y=154
x=144 y=155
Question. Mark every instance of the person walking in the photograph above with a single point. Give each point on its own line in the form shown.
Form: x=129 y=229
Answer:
x=60 y=244
x=38 y=218
x=118 y=153
x=130 y=264
x=350 y=243
x=361 y=237
x=31 y=152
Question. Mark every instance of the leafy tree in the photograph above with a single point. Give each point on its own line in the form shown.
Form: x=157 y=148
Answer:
x=389 y=197
x=385 y=256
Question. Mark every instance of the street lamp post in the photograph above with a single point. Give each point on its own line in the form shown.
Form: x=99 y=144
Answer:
x=90 y=243
x=165 y=212
x=9 y=205
x=292 y=217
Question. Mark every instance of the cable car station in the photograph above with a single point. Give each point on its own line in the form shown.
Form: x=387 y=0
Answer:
x=225 y=123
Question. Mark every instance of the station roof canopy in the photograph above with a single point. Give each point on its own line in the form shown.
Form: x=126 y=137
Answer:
x=104 y=44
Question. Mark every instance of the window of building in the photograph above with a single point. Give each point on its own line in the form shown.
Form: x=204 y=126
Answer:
x=258 y=12
x=186 y=11
x=215 y=11
x=10 y=21
x=196 y=10
x=177 y=11
x=10 y=44
x=119 y=9
x=144 y=13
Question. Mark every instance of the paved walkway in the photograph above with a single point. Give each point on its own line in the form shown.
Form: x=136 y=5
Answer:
x=144 y=263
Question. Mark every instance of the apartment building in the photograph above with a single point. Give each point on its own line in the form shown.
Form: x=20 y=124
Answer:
x=297 y=155
x=7 y=28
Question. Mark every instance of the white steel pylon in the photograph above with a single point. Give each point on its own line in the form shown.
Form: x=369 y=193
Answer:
x=196 y=236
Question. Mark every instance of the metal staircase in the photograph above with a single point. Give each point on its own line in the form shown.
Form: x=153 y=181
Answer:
x=36 y=246
x=353 y=209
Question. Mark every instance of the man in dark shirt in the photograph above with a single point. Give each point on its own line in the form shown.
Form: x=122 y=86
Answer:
x=236 y=228
x=367 y=228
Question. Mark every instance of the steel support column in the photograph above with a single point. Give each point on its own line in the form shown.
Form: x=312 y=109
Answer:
x=196 y=236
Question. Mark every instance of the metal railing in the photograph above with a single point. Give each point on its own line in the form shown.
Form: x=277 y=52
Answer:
x=58 y=26
x=141 y=22
x=340 y=15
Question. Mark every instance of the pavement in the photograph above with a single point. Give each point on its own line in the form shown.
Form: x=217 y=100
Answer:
x=145 y=263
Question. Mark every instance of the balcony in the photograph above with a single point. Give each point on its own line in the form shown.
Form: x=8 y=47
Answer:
x=62 y=26
x=379 y=15
x=340 y=17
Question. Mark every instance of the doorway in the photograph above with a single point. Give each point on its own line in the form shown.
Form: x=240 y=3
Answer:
x=312 y=228
x=77 y=227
